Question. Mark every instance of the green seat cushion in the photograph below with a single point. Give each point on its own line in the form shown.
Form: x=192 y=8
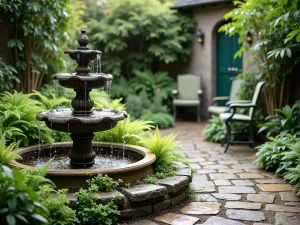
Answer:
x=239 y=117
x=184 y=102
x=217 y=109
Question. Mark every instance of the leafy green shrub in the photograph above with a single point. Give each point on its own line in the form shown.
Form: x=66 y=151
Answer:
x=167 y=158
x=49 y=102
x=125 y=132
x=270 y=154
x=215 y=129
x=91 y=213
x=121 y=88
x=102 y=100
x=18 y=119
x=247 y=87
x=8 y=76
x=161 y=120
x=293 y=176
x=54 y=88
x=57 y=203
x=290 y=159
x=103 y=183
x=19 y=204
x=286 y=120
x=7 y=153
x=135 y=104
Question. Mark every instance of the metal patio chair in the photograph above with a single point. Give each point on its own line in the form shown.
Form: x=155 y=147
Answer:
x=232 y=116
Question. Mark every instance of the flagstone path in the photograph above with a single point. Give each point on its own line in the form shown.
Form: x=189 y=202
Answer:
x=229 y=189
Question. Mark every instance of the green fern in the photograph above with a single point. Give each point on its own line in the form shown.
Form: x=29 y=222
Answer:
x=50 y=103
x=161 y=120
x=164 y=150
x=293 y=176
x=125 y=131
x=102 y=100
x=7 y=153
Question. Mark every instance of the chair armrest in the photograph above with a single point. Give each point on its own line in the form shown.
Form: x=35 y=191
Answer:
x=238 y=101
x=174 y=92
x=221 y=98
x=242 y=105
x=199 y=92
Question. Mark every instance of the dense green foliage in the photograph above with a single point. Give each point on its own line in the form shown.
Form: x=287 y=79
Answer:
x=18 y=122
x=270 y=22
x=7 y=153
x=139 y=35
x=160 y=119
x=247 y=87
x=103 y=183
x=19 y=204
x=128 y=132
x=8 y=76
x=293 y=175
x=286 y=120
x=167 y=158
x=38 y=28
x=270 y=154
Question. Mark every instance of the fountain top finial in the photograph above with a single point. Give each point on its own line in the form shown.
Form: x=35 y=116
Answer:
x=83 y=40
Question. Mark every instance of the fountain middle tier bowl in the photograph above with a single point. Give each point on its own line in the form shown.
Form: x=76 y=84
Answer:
x=78 y=81
x=63 y=120
x=127 y=162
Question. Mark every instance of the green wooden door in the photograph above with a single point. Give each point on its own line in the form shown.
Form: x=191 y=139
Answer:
x=227 y=66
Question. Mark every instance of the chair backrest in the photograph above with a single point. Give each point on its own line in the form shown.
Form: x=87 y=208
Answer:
x=236 y=83
x=188 y=85
x=257 y=91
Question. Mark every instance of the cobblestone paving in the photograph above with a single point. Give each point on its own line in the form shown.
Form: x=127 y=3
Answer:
x=229 y=189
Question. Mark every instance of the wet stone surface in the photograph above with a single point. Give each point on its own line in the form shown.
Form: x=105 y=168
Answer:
x=245 y=215
x=287 y=218
x=202 y=208
x=215 y=220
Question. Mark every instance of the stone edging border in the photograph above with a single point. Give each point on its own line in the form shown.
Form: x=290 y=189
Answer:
x=145 y=199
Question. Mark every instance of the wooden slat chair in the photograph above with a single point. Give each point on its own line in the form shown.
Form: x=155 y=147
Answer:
x=232 y=116
x=216 y=109
x=188 y=93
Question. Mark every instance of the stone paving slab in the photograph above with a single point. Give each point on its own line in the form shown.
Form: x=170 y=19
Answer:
x=282 y=208
x=176 y=219
x=174 y=183
x=202 y=208
x=217 y=176
x=270 y=181
x=250 y=175
x=242 y=205
x=287 y=218
x=236 y=190
x=264 y=198
x=245 y=215
x=242 y=182
x=289 y=197
x=275 y=187
x=227 y=196
x=216 y=220
x=205 y=198
x=222 y=182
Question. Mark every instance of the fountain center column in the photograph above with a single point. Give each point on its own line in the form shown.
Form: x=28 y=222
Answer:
x=82 y=154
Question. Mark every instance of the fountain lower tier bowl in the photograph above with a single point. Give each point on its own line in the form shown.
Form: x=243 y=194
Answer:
x=63 y=120
x=86 y=81
x=127 y=162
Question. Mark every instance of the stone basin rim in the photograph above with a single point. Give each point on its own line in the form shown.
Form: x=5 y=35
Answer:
x=149 y=159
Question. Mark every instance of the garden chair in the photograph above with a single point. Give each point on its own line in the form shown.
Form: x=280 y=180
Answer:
x=217 y=109
x=188 y=93
x=232 y=116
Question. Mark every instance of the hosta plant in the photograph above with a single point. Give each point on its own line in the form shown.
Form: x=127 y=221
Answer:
x=215 y=130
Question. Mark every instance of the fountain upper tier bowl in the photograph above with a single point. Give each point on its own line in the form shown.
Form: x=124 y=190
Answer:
x=88 y=81
x=63 y=120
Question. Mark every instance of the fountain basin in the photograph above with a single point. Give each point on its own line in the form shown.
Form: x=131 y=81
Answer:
x=76 y=178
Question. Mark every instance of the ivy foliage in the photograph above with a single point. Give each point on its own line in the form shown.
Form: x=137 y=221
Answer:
x=139 y=35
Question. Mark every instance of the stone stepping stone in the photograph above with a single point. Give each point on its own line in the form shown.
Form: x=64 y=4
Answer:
x=184 y=172
x=245 y=215
x=242 y=205
x=222 y=182
x=275 y=187
x=217 y=176
x=144 y=222
x=203 y=189
x=204 y=198
x=174 y=183
x=143 y=192
x=230 y=171
x=289 y=197
x=176 y=219
x=281 y=208
x=228 y=162
x=250 y=175
x=207 y=163
x=270 y=181
x=215 y=166
x=244 y=166
x=202 y=208
x=265 y=198
x=195 y=166
x=202 y=171
x=297 y=204
x=216 y=220
x=287 y=218
x=227 y=196
x=236 y=190
x=242 y=182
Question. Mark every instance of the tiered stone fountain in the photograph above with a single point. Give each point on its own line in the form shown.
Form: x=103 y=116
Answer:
x=117 y=160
